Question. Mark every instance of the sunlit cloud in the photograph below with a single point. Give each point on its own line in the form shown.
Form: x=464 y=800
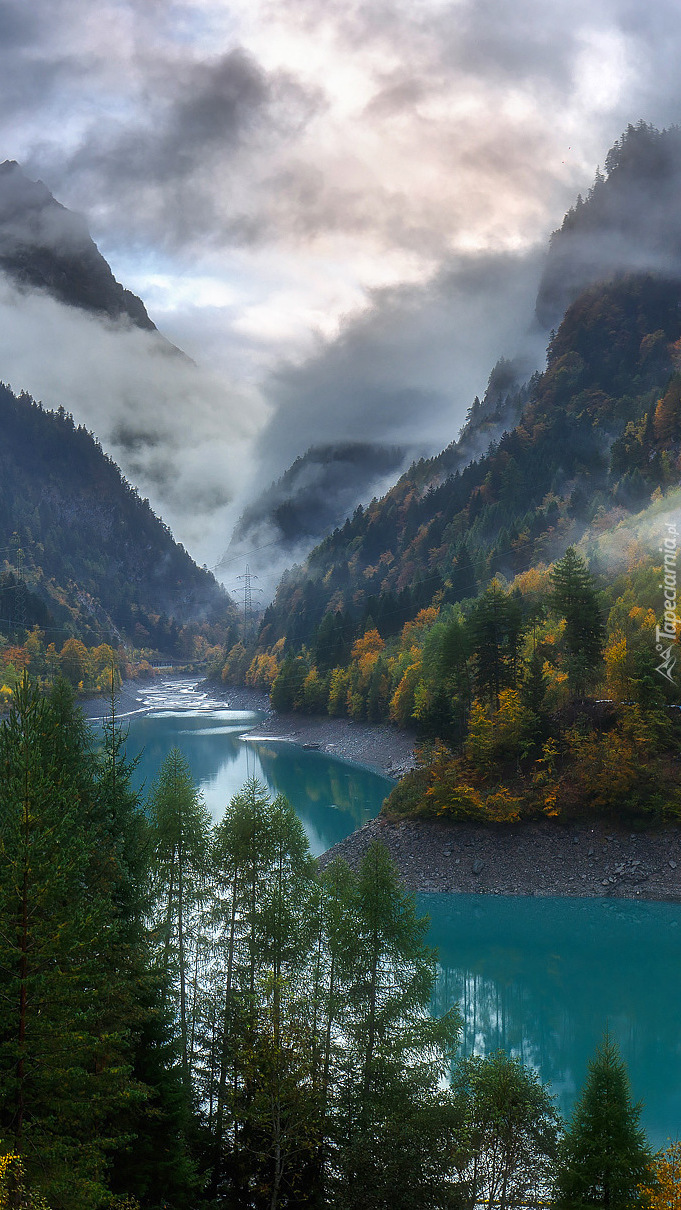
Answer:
x=277 y=180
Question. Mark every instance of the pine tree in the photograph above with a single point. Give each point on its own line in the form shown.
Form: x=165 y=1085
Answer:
x=65 y=980
x=180 y=826
x=604 y=1156
x=496 y=629
x=574 y=597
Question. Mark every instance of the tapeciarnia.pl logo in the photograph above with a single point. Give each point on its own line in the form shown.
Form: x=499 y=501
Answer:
x=665 y=635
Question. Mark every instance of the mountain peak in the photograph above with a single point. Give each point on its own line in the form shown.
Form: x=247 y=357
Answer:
x=45 y=246
x=630 y=221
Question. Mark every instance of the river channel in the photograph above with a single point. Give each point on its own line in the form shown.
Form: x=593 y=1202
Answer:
x=540 y=977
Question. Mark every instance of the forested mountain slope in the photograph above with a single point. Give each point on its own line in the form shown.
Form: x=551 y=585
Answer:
x=630 y=219
x=94 y=552
x=315 y=493
x=599 y=431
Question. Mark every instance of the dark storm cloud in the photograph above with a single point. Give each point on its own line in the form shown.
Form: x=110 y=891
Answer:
x=213 y=151
x=469 y=124
x=17 y=28
x=176 y=165
x=191 y=112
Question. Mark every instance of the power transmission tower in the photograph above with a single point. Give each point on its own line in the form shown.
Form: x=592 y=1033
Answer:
x=246 y=586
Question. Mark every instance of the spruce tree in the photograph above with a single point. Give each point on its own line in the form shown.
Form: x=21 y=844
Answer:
x=153 y=1162
x=604 y=1156
x=496 y=630
x=508 y=1127
x=574 y=597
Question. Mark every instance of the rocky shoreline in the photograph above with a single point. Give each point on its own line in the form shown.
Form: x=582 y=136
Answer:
x=547 y=857
x=381 y=748
x=543 y=858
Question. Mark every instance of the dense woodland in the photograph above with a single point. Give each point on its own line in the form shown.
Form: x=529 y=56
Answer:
x=194 y=1016
x=93 y=560
x=539 y=699
x=599 y=434
x=451 y=607
x=95 y=669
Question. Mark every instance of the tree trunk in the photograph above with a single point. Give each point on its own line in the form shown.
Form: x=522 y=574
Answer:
x=224 y=1048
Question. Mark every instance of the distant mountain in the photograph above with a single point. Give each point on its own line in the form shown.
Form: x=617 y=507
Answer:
x=630 y=221
x=315 y=494
x=595 y=435
x=95 y=556
x=45 y=246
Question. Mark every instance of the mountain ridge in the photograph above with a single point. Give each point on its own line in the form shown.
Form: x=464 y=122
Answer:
x=93 y=550
x=43 y=245
x=577 y=447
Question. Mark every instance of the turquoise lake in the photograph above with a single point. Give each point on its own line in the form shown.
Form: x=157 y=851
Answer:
x=539 y=977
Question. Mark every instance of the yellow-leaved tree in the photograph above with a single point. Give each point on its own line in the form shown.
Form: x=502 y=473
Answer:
x=665 y=1193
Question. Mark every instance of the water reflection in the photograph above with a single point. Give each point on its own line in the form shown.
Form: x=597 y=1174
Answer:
x=539 y=977
x=331 y=798
x=543 y=977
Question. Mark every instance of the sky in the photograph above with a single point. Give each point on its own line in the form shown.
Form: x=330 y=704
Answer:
x=336 y=209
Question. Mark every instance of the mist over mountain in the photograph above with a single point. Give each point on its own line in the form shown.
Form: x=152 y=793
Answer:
x=95 y=555
x=73 y=337
x=596 y=434
x=44 y=246
x=314 y=495
x=630 y=221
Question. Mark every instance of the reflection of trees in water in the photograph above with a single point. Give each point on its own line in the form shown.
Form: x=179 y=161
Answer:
x=331 y=798
x=310 y=780
x=207 y=753
x=541 y=979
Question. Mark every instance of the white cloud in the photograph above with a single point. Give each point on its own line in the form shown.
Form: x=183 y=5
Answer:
x=276 y=180
x=182 y=435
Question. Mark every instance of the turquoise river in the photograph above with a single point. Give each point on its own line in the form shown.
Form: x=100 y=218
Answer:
x=539 y=977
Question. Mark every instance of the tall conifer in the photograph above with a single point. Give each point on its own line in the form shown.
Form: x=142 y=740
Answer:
x=575 y=598
x=604 y=1157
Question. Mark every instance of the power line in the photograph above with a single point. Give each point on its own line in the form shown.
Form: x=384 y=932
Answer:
x=224 y=562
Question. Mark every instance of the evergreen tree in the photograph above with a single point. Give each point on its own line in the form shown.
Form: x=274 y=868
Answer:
x=507 y=1131
x=384 y=1149
x=66 y=978
x=261 y=1105
x=604 y=1156
x=153 y=1163
x=574 y=597
x=180 y=827
x=287 y=689
x=496 y=630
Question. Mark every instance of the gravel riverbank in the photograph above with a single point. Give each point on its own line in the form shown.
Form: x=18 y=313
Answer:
x=128 y=701
x=381 y=748
x=544 y=858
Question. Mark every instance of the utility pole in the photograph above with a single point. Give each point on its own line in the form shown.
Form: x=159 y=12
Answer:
x=246 y=586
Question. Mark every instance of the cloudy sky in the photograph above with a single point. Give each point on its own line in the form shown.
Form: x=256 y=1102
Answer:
x=336 y=208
